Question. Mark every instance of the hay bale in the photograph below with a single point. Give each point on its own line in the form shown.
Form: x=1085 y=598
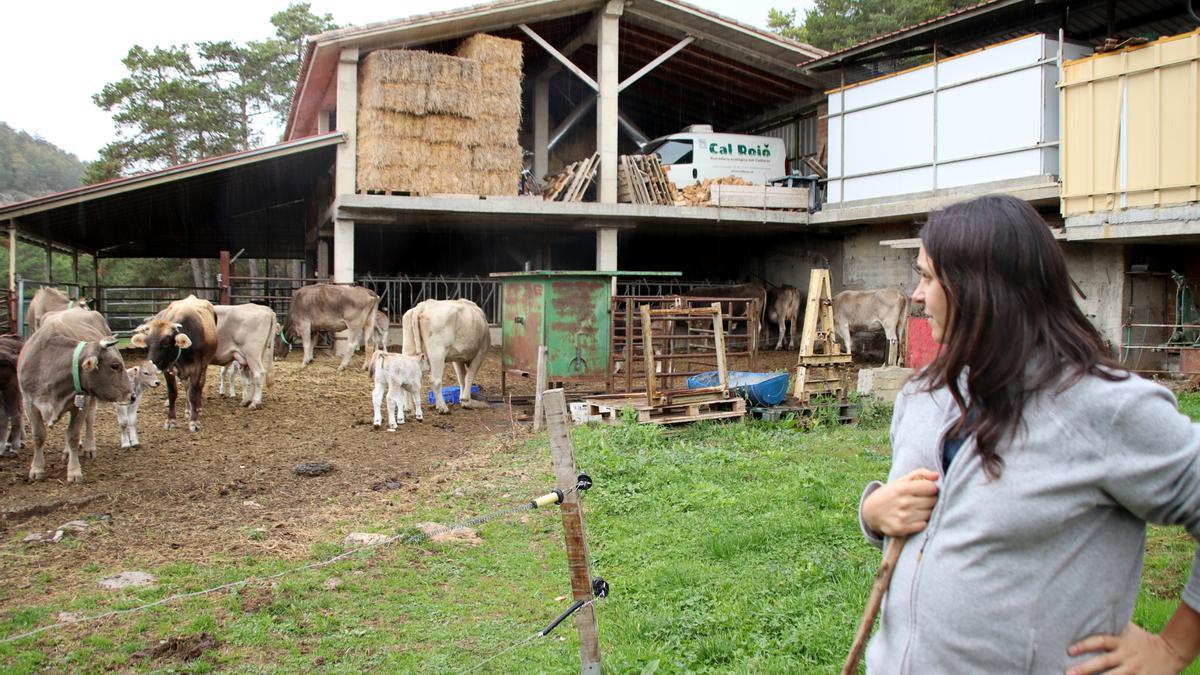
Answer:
x=417 y=82
x=492 y=51
x=492 y=158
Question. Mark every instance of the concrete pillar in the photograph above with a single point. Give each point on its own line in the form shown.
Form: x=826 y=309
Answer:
x=606 y=108
x=347 y=123
x=606 y=249
x=541 y=127
x=322 y=259
x=343 y=251
x=323 y=122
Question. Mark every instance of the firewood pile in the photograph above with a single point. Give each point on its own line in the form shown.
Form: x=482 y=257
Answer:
x=642 y=180
x=570 y=184
x=699 y=194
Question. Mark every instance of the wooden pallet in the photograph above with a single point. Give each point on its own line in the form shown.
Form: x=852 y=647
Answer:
x=570 y=184
x=641 y=180
x=609 y=408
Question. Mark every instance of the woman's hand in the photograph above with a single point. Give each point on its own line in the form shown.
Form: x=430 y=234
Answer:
x=902 y=507
x=1133 y=651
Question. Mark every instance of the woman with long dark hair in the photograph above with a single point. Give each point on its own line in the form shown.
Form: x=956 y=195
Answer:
x=1026 y=465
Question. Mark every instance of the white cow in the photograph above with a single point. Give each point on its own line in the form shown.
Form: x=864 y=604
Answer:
x=400 y=375
x=448 y=331
x=140 y=377
x=886 y=308
x=245 y=338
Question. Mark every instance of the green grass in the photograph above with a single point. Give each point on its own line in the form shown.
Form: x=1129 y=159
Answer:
x=729 y=548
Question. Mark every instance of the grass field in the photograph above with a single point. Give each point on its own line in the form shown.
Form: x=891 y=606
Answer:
x=729 y=548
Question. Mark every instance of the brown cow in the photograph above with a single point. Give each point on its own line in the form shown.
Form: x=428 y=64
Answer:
x=68 y=364
x=326 y=307
x=48 y=299
x=783 y=308
x=886 y=308
x=12 y=429
x=181 y=341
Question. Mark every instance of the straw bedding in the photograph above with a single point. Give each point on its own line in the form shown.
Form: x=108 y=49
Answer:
x=436 y=123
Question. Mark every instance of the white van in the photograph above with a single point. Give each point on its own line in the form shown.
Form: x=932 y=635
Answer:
x=697 y=153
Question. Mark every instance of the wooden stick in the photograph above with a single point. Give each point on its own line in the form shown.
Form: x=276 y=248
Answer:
x=542 y=364
x=882 y=578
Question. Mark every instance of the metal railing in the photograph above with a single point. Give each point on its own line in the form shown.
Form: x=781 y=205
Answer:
x=26 y=288
x=127 y=307
x=657 y=286
x=398 y=294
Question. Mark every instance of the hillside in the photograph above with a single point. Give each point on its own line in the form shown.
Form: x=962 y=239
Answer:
x=30 y=166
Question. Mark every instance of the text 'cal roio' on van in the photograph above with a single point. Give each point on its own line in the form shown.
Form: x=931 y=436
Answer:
x=697 y=153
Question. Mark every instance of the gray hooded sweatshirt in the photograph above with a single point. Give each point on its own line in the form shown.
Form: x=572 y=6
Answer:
x=1010 y=572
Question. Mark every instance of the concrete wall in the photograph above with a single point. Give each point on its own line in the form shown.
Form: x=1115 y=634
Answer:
x=790 y=261
x=866 y=265
x=1099 y=271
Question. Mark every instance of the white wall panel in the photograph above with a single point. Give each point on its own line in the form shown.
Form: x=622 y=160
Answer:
x=986 y=169
x=905 y=84
x=887 y=184
x=895 y=135
x=999 y=113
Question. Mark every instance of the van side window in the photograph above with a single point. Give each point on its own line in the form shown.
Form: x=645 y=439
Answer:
x=672 y=151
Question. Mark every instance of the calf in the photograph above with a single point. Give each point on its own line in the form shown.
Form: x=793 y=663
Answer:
x=12 y=428
x=140 y=377
x=401 y=376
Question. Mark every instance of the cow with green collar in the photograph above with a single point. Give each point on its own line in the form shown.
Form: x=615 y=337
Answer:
x=67 y=365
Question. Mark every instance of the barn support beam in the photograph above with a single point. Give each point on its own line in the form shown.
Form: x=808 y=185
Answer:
x=541 y=128
x=343 y=267
x=606 y=249
x=347 y=122
x=658 y=61
x=12 y=256
x=607 y=110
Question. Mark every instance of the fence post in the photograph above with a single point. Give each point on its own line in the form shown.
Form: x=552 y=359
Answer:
x=538 y=402
x=562 y=452
x=21 y=307
x=223 y=280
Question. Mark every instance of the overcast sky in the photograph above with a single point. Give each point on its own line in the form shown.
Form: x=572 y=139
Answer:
x=57 y=53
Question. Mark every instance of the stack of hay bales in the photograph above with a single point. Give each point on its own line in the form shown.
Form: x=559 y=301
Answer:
x=496 y=153
x=432 y=123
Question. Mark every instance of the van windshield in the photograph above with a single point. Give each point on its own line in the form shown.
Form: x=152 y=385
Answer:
x=671 y=151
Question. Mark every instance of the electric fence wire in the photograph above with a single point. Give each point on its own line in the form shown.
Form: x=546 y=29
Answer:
x=403 y=538
x=541 y=633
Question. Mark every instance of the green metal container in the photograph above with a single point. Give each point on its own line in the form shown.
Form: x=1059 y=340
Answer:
x=568 y=311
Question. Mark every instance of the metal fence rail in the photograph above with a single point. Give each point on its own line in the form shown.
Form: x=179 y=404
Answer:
x=398 y=294
x=127 y=307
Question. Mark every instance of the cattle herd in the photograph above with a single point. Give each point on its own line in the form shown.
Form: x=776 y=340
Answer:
x=70 y=363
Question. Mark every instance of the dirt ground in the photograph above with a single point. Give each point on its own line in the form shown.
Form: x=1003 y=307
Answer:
x=229 y=490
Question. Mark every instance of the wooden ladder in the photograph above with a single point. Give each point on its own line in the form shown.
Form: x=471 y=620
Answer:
x=821 y=368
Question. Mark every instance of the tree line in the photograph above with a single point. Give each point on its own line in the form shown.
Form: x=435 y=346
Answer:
x=836 y=24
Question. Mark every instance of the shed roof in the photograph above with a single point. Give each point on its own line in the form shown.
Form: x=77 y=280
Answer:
x=254 y=199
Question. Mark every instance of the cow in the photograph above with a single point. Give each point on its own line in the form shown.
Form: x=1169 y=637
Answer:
x=326 y=307
x=12 y=428
x=400 y=375
x=783 y=309
x=140 y=377
x=754 y=290
x=382 y=325
x=245 y=338
x=448 y=331
x=67 y=365
x=45 y=300
x=181 y=341
x=886 y=308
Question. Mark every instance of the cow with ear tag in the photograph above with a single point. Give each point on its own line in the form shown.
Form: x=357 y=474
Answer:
x=68 y=365
x=181 y=341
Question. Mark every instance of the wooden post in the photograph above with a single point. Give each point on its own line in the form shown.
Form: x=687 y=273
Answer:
x=224 y=283
x=648 y=355
x=562 y=452
x=49 y=265
x=97 y=302
x=719 y=343
x=12 y=278
x=75 y=267
x=542 y=365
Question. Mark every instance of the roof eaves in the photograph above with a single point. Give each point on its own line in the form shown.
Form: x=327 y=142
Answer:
x=45 y=202
x=882 y=40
